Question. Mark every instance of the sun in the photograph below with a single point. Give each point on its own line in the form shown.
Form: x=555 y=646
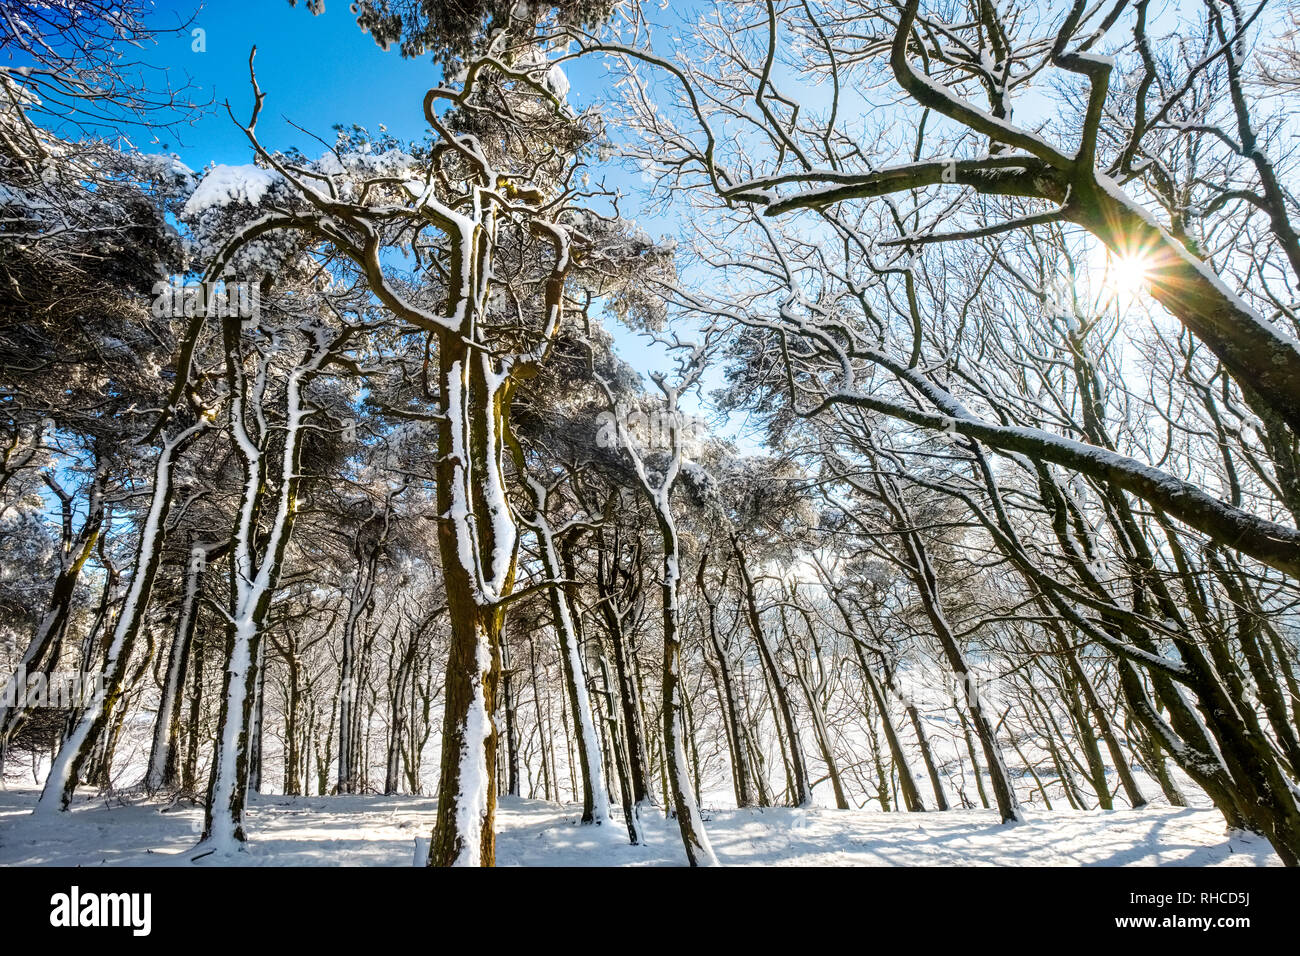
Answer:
x=1118 y=278
x=1126 y=275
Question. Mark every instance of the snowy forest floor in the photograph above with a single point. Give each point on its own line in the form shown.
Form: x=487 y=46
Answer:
x=381 y=831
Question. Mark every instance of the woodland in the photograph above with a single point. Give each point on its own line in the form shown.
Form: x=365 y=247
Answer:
x=928 y=443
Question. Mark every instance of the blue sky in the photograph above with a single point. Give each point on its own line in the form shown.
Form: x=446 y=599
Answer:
x=315 y=70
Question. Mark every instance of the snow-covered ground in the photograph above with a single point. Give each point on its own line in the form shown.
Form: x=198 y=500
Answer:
x=381 y=831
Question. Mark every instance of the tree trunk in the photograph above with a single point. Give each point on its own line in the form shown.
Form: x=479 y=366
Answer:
x=43 y=651
x=77 y=749
x=802 y=795
x=739 y=745
x=162 y=773
x=253 y=579
x=477 y=541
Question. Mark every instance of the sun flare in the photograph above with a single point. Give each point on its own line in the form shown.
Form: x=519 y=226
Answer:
x=1126 y=275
